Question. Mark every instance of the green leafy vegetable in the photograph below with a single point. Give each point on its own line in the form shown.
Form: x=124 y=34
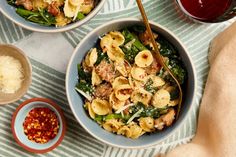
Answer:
x=12 y=2
x=83 y=75
x=41 y=17
x=111 y=116
x=174 y=94
x=148 y=111
x=85 y=87
x=134 y=48
x=101 y=56
x=149 y=86
x=80 y=16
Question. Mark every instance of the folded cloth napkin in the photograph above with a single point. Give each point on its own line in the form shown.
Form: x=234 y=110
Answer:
x=216 y=132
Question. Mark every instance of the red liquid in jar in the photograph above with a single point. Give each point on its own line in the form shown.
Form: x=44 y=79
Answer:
x=205 y=10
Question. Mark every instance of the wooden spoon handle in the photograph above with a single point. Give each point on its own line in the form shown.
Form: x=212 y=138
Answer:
x=157 y=53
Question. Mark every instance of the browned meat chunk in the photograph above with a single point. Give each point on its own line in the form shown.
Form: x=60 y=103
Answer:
x=27 y=4
x=106 y=71
x=53 y=8
x=154 y=67
x=103 y=91
x=165 y=120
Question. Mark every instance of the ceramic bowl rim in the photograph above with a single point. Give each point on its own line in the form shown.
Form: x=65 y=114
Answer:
x=120 y=21
x=57 y=30
x=50 y=103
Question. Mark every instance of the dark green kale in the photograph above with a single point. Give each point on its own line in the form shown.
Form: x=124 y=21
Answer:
x=86 y=76
x=101 y=56
x=85 y=87
x=149 y=86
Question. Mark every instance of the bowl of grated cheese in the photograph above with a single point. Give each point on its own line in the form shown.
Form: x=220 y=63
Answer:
x=15 y=74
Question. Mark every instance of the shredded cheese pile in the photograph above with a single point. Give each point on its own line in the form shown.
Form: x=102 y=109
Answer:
x=11 y=74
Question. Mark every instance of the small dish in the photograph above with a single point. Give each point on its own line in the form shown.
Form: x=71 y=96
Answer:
x=10 y=50
x=19 y=117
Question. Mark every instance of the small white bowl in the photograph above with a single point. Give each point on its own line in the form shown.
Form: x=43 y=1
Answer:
x=19 y=118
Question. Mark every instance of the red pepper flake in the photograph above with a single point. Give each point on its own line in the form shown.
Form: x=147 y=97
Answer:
x=41 y=125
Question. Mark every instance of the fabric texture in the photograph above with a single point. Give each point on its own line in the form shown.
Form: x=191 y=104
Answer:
x=217 y=121
x=49 y=63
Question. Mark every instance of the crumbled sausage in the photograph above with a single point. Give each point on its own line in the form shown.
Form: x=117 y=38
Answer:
x=153 y=68
x=53 y=8
x=106 y=71
x=27 y=4
x=165 y=120
x=103 y=91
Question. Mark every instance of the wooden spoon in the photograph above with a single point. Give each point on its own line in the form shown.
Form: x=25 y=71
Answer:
x=157 y=54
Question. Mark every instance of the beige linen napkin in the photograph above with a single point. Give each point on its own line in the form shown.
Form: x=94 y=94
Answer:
x=216 y=132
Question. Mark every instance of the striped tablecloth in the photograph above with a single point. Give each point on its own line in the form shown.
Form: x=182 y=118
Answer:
x=49 y=56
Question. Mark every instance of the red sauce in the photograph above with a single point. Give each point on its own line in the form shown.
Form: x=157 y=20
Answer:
x=41 y=125
x=205 y=10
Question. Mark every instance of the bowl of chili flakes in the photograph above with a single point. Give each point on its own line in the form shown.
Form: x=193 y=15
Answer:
x=38 y=125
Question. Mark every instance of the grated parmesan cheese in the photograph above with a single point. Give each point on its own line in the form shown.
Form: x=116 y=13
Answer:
x=11 y=74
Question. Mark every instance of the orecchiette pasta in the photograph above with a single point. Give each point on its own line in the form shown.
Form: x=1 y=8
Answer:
x=101 y=107
x=112 y=125
x=123 y=92
x=119 y=81
x=125 y=130
x=117 y=38
x=157 y=81
x=90 y=110
x=115 y=103
x=161 y=98
x=141 y=95
x=144 y=59
x=135 y=130
x=91 y=57
x=147 y=124
x=106 y=42
x=96 y=80
x=116 y=54
x=138 y=73
x=123 y=67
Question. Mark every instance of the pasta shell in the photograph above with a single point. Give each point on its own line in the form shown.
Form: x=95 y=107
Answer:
x=106 y=42
x=90 y=110
x=161 y=98
x=157 y=81
x=138 y=73
x=116 y=54
x=119 y=81
x=144 y=59
x=123 y=67
x=91 y=57
x=100 y=107
x=118 y=38
x=136 y=131
x=96 y=80
x=141 y=95
x=124 y=131
x=123 y=92
x=147 y=124
x=115 y=103
x=112 y=125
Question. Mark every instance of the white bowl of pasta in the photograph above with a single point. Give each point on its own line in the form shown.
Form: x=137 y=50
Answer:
x=117 y=90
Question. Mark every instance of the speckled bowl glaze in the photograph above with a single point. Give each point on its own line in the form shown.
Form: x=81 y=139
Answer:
x=10 y=13
x=18 y=120
x=76 y=101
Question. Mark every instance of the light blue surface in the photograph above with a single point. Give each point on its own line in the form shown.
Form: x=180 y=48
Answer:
x=76 y=102
x=10 y=13
x=20 y=118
